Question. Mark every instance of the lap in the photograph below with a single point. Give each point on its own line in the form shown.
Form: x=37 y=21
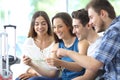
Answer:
x=40 y=78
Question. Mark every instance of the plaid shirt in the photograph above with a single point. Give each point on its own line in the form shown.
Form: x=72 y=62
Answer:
x=109 y=51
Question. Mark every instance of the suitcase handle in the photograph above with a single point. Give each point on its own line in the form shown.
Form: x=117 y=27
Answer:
x=12 y=26
x=9 y=26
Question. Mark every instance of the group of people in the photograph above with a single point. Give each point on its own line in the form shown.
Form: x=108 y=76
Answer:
x=71 y=48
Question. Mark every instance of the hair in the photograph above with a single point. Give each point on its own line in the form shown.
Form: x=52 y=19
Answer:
x=99 y=5
x=32 y=32
x=82 y=15
x=66 y=18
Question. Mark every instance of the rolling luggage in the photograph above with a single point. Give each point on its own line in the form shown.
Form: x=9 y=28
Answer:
x=7 y=51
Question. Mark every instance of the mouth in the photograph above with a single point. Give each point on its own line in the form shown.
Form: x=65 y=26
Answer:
x=59 y=35
x=40 y=30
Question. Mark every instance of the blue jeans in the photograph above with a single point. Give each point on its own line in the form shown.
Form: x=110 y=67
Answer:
x=40 y=78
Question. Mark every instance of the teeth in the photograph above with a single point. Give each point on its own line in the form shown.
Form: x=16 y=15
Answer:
x=40 y=30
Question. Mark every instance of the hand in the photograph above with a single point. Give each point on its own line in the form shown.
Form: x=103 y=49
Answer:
x=25 y=76
x=53 y=61
x=27 y=60
x=60 y=52
x=77 y=78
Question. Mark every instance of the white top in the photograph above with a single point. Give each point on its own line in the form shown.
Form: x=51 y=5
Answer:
x=91 y=51
x=38 y=56
x=92 y=48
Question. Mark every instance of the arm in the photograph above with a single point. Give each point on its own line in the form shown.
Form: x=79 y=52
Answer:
x=73 y=66
x=38 y=69
x=83 y=60
x=55 y=61
x=89 y=75
x=82 y=47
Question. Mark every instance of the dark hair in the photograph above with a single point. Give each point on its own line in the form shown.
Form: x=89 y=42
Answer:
x=82 y=15
x=66 y=18
x=98 y=5
x=32 y=32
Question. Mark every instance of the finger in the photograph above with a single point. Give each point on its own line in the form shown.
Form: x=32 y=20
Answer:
x=22 y=76
x=54 y=51
x=26 y=77
x=24 y=56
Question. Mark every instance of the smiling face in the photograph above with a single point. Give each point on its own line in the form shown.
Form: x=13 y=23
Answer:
x=79 y=29
x=60 y=28
x=41 y=26
x=96 y=20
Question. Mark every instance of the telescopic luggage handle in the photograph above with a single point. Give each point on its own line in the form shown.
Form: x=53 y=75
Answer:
x=14 y=38
x=9 y=26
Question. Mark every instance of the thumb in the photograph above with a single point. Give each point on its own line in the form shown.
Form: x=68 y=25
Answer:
x=23 y=56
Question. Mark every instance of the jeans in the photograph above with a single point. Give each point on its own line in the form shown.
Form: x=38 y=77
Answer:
x=40 y=78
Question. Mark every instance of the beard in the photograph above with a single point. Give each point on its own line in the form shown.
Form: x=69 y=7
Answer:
x=101 y=27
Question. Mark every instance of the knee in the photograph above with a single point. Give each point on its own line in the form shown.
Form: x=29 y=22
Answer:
x=34 y=78
x=17 y=79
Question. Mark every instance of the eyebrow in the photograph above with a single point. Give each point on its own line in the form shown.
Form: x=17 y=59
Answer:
x=75 y=25
x=41 y=21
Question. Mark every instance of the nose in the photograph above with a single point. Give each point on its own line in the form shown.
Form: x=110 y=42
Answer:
x=56 y=30
x=74 y=31
x=40 y=25
x=90 y=22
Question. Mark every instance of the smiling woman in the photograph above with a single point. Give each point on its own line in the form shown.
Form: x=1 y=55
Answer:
x=36 y=48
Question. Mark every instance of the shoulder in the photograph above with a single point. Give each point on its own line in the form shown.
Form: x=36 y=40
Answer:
x=83 y=42
x=28 y=41
x=83 y=46
x=55 y=46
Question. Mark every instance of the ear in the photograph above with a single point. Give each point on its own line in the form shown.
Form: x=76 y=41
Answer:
x=103 y=13
x=88 y=26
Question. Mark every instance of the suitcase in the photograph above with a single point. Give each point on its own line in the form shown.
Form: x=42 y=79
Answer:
x=11 y=31
x=7 y=51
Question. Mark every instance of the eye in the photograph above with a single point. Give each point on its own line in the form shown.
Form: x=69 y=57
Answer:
x=53 y=27
x=76 y=26
x=60 y=26
x=36 y=23
x=44 y=23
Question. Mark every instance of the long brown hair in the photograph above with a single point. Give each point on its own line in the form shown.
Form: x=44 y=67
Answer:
x=67 y=20
x=32 y=32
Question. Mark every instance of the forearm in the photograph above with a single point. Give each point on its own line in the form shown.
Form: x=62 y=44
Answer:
x=89 y=75
x=42 y=71
x=73 y=66
x=85 y=61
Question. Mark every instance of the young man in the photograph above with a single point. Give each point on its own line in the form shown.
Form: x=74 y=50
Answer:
x=84 y=30
x=107 y=55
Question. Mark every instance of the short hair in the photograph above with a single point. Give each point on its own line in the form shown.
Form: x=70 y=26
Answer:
x=99 y=5
x=82 y=15
x=32 y=32
x=66 y=18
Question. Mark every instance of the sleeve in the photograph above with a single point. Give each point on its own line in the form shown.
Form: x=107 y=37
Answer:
x=109 y=47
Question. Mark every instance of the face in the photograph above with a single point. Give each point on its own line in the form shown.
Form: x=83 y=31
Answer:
x=96 y=20
x=60 y=28
x=79 y=29
x=41 y=26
